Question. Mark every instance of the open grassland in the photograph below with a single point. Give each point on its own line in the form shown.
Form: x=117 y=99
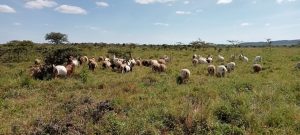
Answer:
x=143 y=102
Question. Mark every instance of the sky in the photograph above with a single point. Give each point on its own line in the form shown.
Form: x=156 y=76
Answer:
x=150 y=21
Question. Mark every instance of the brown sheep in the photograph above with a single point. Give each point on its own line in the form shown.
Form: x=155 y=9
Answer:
x=162 y=61
x=92 y=64
x=83 y=59
x=257 y=68
x=70 y=69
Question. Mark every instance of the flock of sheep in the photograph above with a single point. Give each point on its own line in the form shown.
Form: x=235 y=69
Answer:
x=122 y=65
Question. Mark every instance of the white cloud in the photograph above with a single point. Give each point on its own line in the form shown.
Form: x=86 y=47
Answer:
x=152 y=1
x=102 y=4
x=6 y=9
x=183 y=12
x=70 y=10
x=186 y=2
x=224 y=1
x=267 y=24
x=39 y=4
x=161 y=24
x=17 y=24
x=245 y=24
x=281 y=1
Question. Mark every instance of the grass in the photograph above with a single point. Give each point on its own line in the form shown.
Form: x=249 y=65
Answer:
x=143 y=102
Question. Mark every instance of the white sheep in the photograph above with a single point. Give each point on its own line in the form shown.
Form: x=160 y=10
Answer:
x=243 y=58
x=257 y=59
x=209 y=59
x=221 y=71
x=184 y=76
x=75 y=62
x=202 y=60
x=221 y=58
x=60 y=70
x=230 y=66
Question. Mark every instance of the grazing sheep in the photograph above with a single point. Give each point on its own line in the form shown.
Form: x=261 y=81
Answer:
x=153 y=62
x=138 y=62
x=257 y=68
x=221 y=71
x=146 y=63
x=211 y=69
x=106 y=64
x=230 y=66
x=257 y=59
x=202 y=60
x=184 y=76
x=101 y=58
x=162 y=61
x=195 y=61
x=60 y=71
x=156 y=67
x=166 y=58
x=36 y=72
x=37 y=62
x=209 y=59
x=221 y=58
x=195 y=56
x=243 y=58
x=83 y=59
x=70 y=68
x=298 y=65
x=162 y=68
x=92 y=64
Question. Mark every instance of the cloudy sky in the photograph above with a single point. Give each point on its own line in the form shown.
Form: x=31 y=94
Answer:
x=150 y=21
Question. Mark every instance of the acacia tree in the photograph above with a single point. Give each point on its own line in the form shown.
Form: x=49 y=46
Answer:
x=56 y=37
x=269 y=43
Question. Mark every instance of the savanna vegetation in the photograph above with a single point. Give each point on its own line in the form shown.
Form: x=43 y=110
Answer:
x=144 y=102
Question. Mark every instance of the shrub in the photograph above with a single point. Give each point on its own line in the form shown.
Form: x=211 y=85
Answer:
x=60 y=56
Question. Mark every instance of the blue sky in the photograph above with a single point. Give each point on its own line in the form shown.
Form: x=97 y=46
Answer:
x=150 y=21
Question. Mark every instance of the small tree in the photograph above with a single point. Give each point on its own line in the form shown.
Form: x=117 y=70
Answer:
x=56 y=37
x=269 y=42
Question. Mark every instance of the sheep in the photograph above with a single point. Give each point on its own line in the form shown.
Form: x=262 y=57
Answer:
x=257 y=59
x=230 y=66
x=162 y=61
x=209 y=59
x=101 y=58
x=83 y=59
x=162 y=68
x=202 y=60
x=106 y=64
x=156 y=67
x=195 y=56
x=146 y=63
x=36 y=72
x=221 y=58
x=166 y=58
x=138 y=62
x=60 y=70
x=37 y=62
x=127 y=67
x=211 y=69
x=243 y=58
x=298 y=65
x=195 y=61
x=70 y=68
x=257 y=68
x=221 y=71
x=92 y=64
x=184 y=76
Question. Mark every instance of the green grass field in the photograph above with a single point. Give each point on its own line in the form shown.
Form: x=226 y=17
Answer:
x=144 y=102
